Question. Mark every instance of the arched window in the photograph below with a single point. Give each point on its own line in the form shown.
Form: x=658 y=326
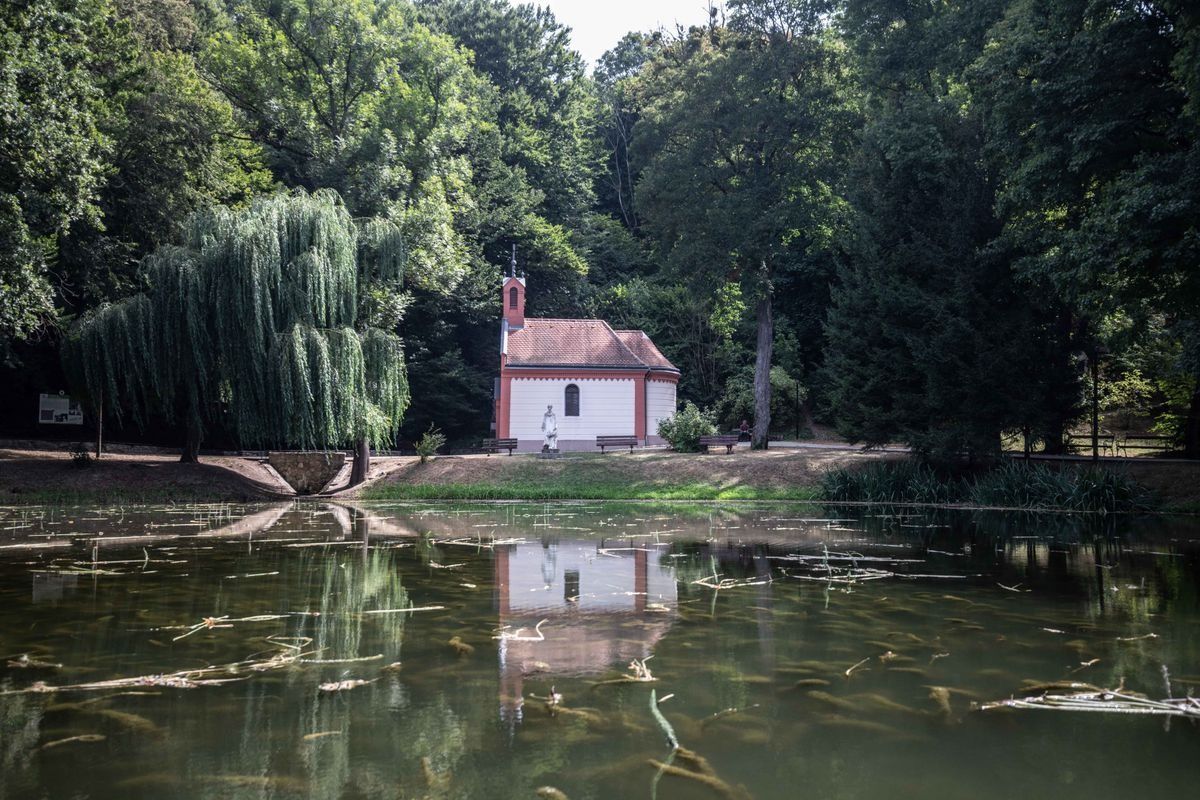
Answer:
x=572 y=400
x=512 y=297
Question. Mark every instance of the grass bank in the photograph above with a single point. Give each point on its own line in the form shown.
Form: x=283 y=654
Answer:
x=650 y=475
x=582 y=490
x=796 y=475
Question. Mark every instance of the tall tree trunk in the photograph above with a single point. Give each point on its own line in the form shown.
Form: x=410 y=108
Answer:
x=1191 y=428
x=1095 y=365
x=191 y=444
x=100 y=426
x=362 y=461
x=762 y=373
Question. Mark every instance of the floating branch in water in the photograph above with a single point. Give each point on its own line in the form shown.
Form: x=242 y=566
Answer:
x=410 y=610
x=519 y=636
x=716 y=582
x=209 y=623
x=343 y=686
x=376 y=657
x=640 y=671
x=83 y=737
x=291 y=652
x=701 y=772
x=1110 y=701
x=667 y=730
x=25 y=662
x=722 y=714
x=850 y=671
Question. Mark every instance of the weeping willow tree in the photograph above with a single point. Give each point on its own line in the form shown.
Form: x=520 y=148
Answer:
x=257 y=323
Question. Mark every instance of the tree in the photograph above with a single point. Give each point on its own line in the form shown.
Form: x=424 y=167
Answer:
x=741 y=141
x=52 y=151
x=1091 y=127
x=357 y=96
x=545 y=106
x=931 y=340
x=255 y=322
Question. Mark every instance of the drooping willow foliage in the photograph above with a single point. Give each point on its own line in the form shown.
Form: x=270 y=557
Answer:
x=254 y=323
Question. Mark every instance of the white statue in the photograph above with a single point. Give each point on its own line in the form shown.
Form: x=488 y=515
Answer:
x=550 y=429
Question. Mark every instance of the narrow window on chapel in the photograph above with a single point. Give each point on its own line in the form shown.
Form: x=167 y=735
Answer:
x=572 y=401
x=512 y=297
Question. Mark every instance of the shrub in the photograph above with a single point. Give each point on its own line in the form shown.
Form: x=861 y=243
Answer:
x=683 y=430
x=429 y=443
x=80 y=456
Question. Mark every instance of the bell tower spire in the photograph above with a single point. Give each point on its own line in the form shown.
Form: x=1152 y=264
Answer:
x=512 y=294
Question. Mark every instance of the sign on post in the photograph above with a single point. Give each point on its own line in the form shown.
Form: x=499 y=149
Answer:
x=59 y=409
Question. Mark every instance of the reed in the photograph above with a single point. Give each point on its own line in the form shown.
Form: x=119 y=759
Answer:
x=1010 y=485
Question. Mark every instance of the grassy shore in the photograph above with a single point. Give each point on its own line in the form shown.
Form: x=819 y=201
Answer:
x=30 y=477
x=648 y=475
x=583 y=490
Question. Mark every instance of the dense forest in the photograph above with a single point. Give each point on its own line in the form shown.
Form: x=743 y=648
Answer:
x=949 y=223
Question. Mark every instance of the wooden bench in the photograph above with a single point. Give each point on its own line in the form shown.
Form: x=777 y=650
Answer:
x=711 y=441
x=1152 y=441
x=616 y=441
x=1083 y=441
x=496 y=445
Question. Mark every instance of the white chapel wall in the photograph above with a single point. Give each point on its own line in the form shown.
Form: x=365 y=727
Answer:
x=606 y=408
x=660 y=404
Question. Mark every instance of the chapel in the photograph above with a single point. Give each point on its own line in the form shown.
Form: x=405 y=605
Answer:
x=598 y=381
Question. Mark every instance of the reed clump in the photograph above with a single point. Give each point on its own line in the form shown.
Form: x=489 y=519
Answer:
x=1010 y=485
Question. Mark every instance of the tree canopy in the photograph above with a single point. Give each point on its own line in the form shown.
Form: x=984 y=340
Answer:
x=950 y=224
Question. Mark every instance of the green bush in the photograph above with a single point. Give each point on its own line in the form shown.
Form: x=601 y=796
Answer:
x=429 y=443
x=683 y=430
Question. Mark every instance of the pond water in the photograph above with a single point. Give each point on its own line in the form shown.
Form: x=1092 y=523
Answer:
x=798 y=651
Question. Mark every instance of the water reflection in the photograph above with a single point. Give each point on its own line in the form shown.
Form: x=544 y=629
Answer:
x=576 y=607
x=831 y=679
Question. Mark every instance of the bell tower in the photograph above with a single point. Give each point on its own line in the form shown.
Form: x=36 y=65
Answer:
x=512 y=294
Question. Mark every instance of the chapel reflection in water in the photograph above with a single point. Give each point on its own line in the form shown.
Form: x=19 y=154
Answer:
x=598 y=606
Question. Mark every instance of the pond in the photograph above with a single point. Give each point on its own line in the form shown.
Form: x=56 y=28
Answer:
x=489 y=651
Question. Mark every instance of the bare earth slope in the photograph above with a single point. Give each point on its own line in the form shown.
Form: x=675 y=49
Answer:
x=48 y=476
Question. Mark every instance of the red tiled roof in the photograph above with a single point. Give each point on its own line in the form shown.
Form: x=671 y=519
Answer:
x=641 y=346
x=581 y=343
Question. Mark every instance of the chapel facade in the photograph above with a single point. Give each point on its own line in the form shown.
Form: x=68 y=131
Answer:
x=599 y=381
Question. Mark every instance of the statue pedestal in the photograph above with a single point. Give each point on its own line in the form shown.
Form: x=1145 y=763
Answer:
x=549 y=454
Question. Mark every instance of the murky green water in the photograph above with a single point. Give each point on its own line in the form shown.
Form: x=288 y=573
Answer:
x=831 y=679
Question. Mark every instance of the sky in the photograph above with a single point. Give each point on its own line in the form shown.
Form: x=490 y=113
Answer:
x=597 y=25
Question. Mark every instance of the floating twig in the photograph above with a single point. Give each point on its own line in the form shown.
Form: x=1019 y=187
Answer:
x=343 y=686
x=722 y=714
x=518 y=636
x=856 y=666
x=409 y=610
